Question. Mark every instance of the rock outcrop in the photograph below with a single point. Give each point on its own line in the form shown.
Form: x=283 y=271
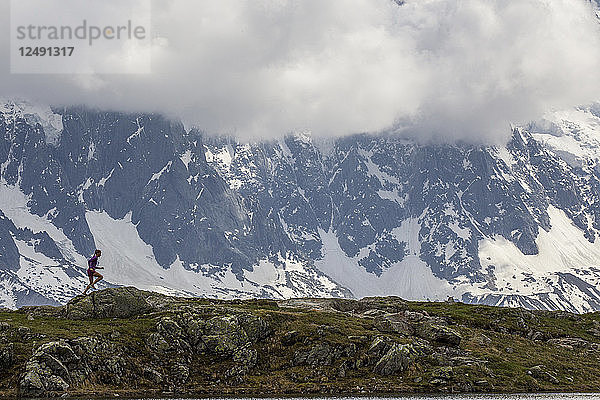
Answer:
x=48 y=369
x=395 y=360
x=127 y=341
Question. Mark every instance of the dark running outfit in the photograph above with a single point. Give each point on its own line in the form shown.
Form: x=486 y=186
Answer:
x=92 y=262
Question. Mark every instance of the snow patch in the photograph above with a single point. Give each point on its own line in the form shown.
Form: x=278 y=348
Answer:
x=35 y=114
x=130 y=261
x=463 y=233
x=137 y=133
x=575 y=136
x=503 y=154
x=563 y=249
x=186 y=158
x=156 y=176
x=373 y=169
x=408 y=232
x=410 y=279
x=14 y=204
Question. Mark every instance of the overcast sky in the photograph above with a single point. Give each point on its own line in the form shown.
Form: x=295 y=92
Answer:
x=438 y=69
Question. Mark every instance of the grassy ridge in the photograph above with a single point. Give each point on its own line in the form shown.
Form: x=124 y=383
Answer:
x=327 y=346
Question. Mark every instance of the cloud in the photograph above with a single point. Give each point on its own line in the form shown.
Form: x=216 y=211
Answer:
x=437 y=69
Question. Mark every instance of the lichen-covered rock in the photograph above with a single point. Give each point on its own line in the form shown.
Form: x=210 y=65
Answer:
x=223 y=335
x=245 y=358
x=394 y=323
x=31 y=383
x=405 y=322
x=573 y=343
x=540 y=372
x=397 y=359
x=173 y=334
x=256 y=328
x=109 y=303
x=290 y=338
x=7 y=356
x=320 y=354
x=101 y=358
x=157 y=343
x=378 y=348
x=56 y=383
x=47 y=370
x=115 y=368
x=180 y=373
x=323 y=354
x=152 y=375
x=439 y=334
x=445 y=373
x=228 y=336
x=188 y=333
x=61 y=350
x=193 y=328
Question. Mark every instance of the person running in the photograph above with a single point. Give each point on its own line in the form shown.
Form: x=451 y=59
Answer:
x=91 y=271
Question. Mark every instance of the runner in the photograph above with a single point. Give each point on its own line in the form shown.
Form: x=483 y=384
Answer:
x=91 y=271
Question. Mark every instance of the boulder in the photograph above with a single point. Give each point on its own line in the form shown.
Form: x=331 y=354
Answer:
x=193 y=328
x=324 y=354
x=572 y=343
x=244 y=358
x=180 y=373
x=319 y=354
x=290 y=338
x=48 y=369
x=256 y=328
x=540 y=372
x=109 y=303
x=31 y=383
x=397 y=359
x=445 y=373
x=394 y=323
x=157 y=343
x=439 y=334
x=7 y=356
x=224 y=334
x=173 y=334
x=152 y=375
x=378 y=348
x=188 y=333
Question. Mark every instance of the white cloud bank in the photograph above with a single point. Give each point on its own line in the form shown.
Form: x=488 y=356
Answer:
x=442 y=69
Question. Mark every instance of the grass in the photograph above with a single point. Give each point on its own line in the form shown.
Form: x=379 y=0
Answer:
x=498 y=339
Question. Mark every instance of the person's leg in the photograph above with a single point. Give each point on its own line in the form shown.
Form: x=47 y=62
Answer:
x=89 y=285
x=98 y=278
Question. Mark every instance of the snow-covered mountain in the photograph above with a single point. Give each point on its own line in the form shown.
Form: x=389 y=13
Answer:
x=177 y=211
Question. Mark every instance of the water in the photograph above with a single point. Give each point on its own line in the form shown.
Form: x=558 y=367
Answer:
x=525 y=396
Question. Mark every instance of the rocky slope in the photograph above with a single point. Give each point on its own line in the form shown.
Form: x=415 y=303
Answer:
x=130 y=342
